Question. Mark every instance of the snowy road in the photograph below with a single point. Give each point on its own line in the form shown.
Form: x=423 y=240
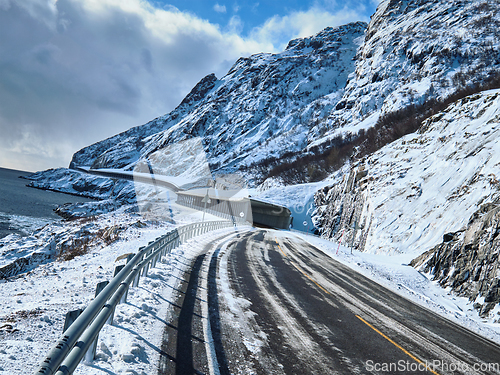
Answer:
x=276 y=304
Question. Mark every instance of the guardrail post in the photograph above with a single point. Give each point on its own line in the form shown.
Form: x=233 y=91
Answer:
x=145 y=269
x=118 y=269
x=164 y=252
x=136 y=279
x=71 y=317
x=99 y=287
x=125 y=295
x=90 y=354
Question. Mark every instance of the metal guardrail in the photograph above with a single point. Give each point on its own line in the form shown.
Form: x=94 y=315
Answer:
x=76 y=341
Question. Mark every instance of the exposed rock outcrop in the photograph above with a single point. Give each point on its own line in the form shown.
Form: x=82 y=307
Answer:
x=423 y=185
x=468 y=261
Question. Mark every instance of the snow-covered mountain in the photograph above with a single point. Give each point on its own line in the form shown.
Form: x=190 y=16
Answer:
x=336 y=82
x=263 y=106
x=415 y=51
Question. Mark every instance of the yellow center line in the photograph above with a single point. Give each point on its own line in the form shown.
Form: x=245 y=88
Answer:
x=302 y=271
x=397 y=345
x=360 y=318
x=279 y=247
x=310 y=278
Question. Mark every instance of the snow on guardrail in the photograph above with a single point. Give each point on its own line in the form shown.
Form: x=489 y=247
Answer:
x=80 y=338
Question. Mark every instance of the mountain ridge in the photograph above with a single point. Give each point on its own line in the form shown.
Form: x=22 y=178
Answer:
x=245 y=101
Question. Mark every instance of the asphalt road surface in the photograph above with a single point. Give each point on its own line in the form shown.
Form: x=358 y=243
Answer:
x=267 y=302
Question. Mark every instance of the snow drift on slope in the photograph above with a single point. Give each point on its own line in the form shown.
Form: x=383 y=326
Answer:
x=425 y=184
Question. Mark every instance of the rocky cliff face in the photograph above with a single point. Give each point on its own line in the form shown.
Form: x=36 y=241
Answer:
x=415 y=51
x=411 y=192
x=468 y=261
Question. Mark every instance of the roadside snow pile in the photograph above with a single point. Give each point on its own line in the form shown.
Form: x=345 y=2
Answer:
x=33 y=305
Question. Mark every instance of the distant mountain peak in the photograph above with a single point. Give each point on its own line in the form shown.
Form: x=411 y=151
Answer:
x=200 y=90
x=337 y=82
x=327 y=34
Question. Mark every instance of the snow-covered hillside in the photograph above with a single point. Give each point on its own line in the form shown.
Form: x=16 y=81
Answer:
x=336 y=82
x=262 y=107
x=414 y=190
x=414 y=51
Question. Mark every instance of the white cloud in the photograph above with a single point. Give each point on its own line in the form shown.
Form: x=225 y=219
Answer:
x=220 y=8
x=77 y=71
x=281 y=29
x=74 y=72
x=235 y=25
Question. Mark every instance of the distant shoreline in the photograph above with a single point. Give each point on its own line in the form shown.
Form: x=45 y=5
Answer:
x=23 y=208
x=15 y=170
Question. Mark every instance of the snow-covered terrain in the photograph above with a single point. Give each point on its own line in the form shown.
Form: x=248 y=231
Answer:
x=394 y=204
x=425 y=184
x=32 y=307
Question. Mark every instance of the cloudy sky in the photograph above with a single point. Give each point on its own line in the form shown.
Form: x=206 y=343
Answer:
x=73 y=72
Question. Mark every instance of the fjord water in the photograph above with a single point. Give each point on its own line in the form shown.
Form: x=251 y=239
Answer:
x=23 y=209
